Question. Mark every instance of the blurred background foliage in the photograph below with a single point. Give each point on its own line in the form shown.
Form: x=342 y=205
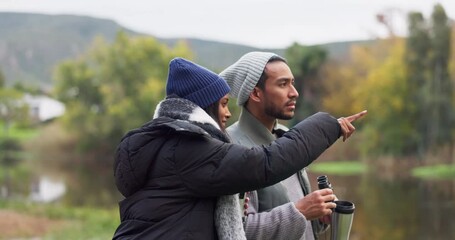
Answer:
x=405 y=83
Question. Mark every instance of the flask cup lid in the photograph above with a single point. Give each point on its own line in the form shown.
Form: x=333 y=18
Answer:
x=345 y=207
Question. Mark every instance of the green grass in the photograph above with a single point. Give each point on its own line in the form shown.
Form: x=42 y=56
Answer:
x=19 y=133
x=344 y=168
x=82 y=222
x=23 y=134
x=87 y=223
x=440 y=171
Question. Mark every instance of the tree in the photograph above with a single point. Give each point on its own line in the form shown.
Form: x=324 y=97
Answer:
x=441 y=87
x=418 y=48
x=113 y=88
x=411 y=110
x=10 y=149
x=431 y=89
x=341 y=78
x=12 y=110
x=305 y=63
x=390 y=128
x=2 y=79
x=452 y=54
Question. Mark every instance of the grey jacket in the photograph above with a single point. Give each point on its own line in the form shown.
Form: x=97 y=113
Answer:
x=271 y=214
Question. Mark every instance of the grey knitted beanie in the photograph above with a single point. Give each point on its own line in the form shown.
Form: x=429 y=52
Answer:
x=243 y=75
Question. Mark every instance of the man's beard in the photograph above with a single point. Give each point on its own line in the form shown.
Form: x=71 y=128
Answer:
x=277 y=112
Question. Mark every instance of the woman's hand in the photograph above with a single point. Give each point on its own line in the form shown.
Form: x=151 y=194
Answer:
x=347 y=129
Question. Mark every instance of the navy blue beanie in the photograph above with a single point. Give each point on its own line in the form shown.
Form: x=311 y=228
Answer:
x=195 y=83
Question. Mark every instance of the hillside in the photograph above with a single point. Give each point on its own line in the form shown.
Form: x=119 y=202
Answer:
x=217 y=55
x=31 y=45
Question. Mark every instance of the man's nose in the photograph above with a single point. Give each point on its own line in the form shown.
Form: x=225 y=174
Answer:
x=293 y=93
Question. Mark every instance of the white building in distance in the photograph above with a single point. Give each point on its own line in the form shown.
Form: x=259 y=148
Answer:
x=44 y=108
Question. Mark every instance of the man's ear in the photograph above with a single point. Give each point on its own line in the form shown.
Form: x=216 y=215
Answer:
x=256 y=94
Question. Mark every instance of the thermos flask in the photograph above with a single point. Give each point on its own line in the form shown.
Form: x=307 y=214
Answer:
x=342 y=215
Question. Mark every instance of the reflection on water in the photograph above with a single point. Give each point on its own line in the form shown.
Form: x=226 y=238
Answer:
x=398 y=209
x=47 y=190
x=392 y=208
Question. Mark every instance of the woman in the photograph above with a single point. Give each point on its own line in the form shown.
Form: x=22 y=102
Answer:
x=173 y=169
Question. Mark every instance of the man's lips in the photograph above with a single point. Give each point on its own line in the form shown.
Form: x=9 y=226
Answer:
x=291 y=104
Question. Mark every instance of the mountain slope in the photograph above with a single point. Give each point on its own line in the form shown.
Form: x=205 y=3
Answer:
x=32 y=44
x=217 y=55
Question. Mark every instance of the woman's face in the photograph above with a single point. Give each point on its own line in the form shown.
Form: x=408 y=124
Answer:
x=223 y=111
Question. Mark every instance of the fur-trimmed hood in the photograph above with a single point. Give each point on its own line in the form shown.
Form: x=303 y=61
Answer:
x=189 y=117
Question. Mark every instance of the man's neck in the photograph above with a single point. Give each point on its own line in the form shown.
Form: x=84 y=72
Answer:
x=267 y=121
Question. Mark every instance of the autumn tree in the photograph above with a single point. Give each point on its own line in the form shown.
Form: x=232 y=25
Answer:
x=373 y=79
x=342 y=78
x=404 y=83
x=452 y=54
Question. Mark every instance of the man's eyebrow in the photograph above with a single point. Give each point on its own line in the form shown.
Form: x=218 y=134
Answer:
x=285 y=79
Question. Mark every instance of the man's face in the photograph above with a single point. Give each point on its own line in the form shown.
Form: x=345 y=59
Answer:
x=280 y=95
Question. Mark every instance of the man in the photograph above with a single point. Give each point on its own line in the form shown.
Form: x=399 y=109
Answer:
x=263 y=84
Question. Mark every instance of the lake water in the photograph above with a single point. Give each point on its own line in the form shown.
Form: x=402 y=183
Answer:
x=386 y=208
x=397 y=208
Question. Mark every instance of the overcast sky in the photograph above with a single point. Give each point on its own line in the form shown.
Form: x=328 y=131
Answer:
x=258 y=23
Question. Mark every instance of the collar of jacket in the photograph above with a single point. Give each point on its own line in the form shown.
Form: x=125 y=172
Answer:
x=184 y=116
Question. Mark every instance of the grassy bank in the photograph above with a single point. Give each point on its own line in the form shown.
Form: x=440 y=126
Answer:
x=342 y=168
x=18 y=133
x=54 y=221
x=439 y=171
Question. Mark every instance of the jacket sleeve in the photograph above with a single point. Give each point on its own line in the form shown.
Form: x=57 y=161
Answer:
x=209 y=167
x=263 y=225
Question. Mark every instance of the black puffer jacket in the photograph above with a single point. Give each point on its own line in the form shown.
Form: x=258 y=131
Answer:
x=173 y=168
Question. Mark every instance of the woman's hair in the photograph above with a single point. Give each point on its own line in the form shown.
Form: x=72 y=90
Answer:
x=213 y=111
